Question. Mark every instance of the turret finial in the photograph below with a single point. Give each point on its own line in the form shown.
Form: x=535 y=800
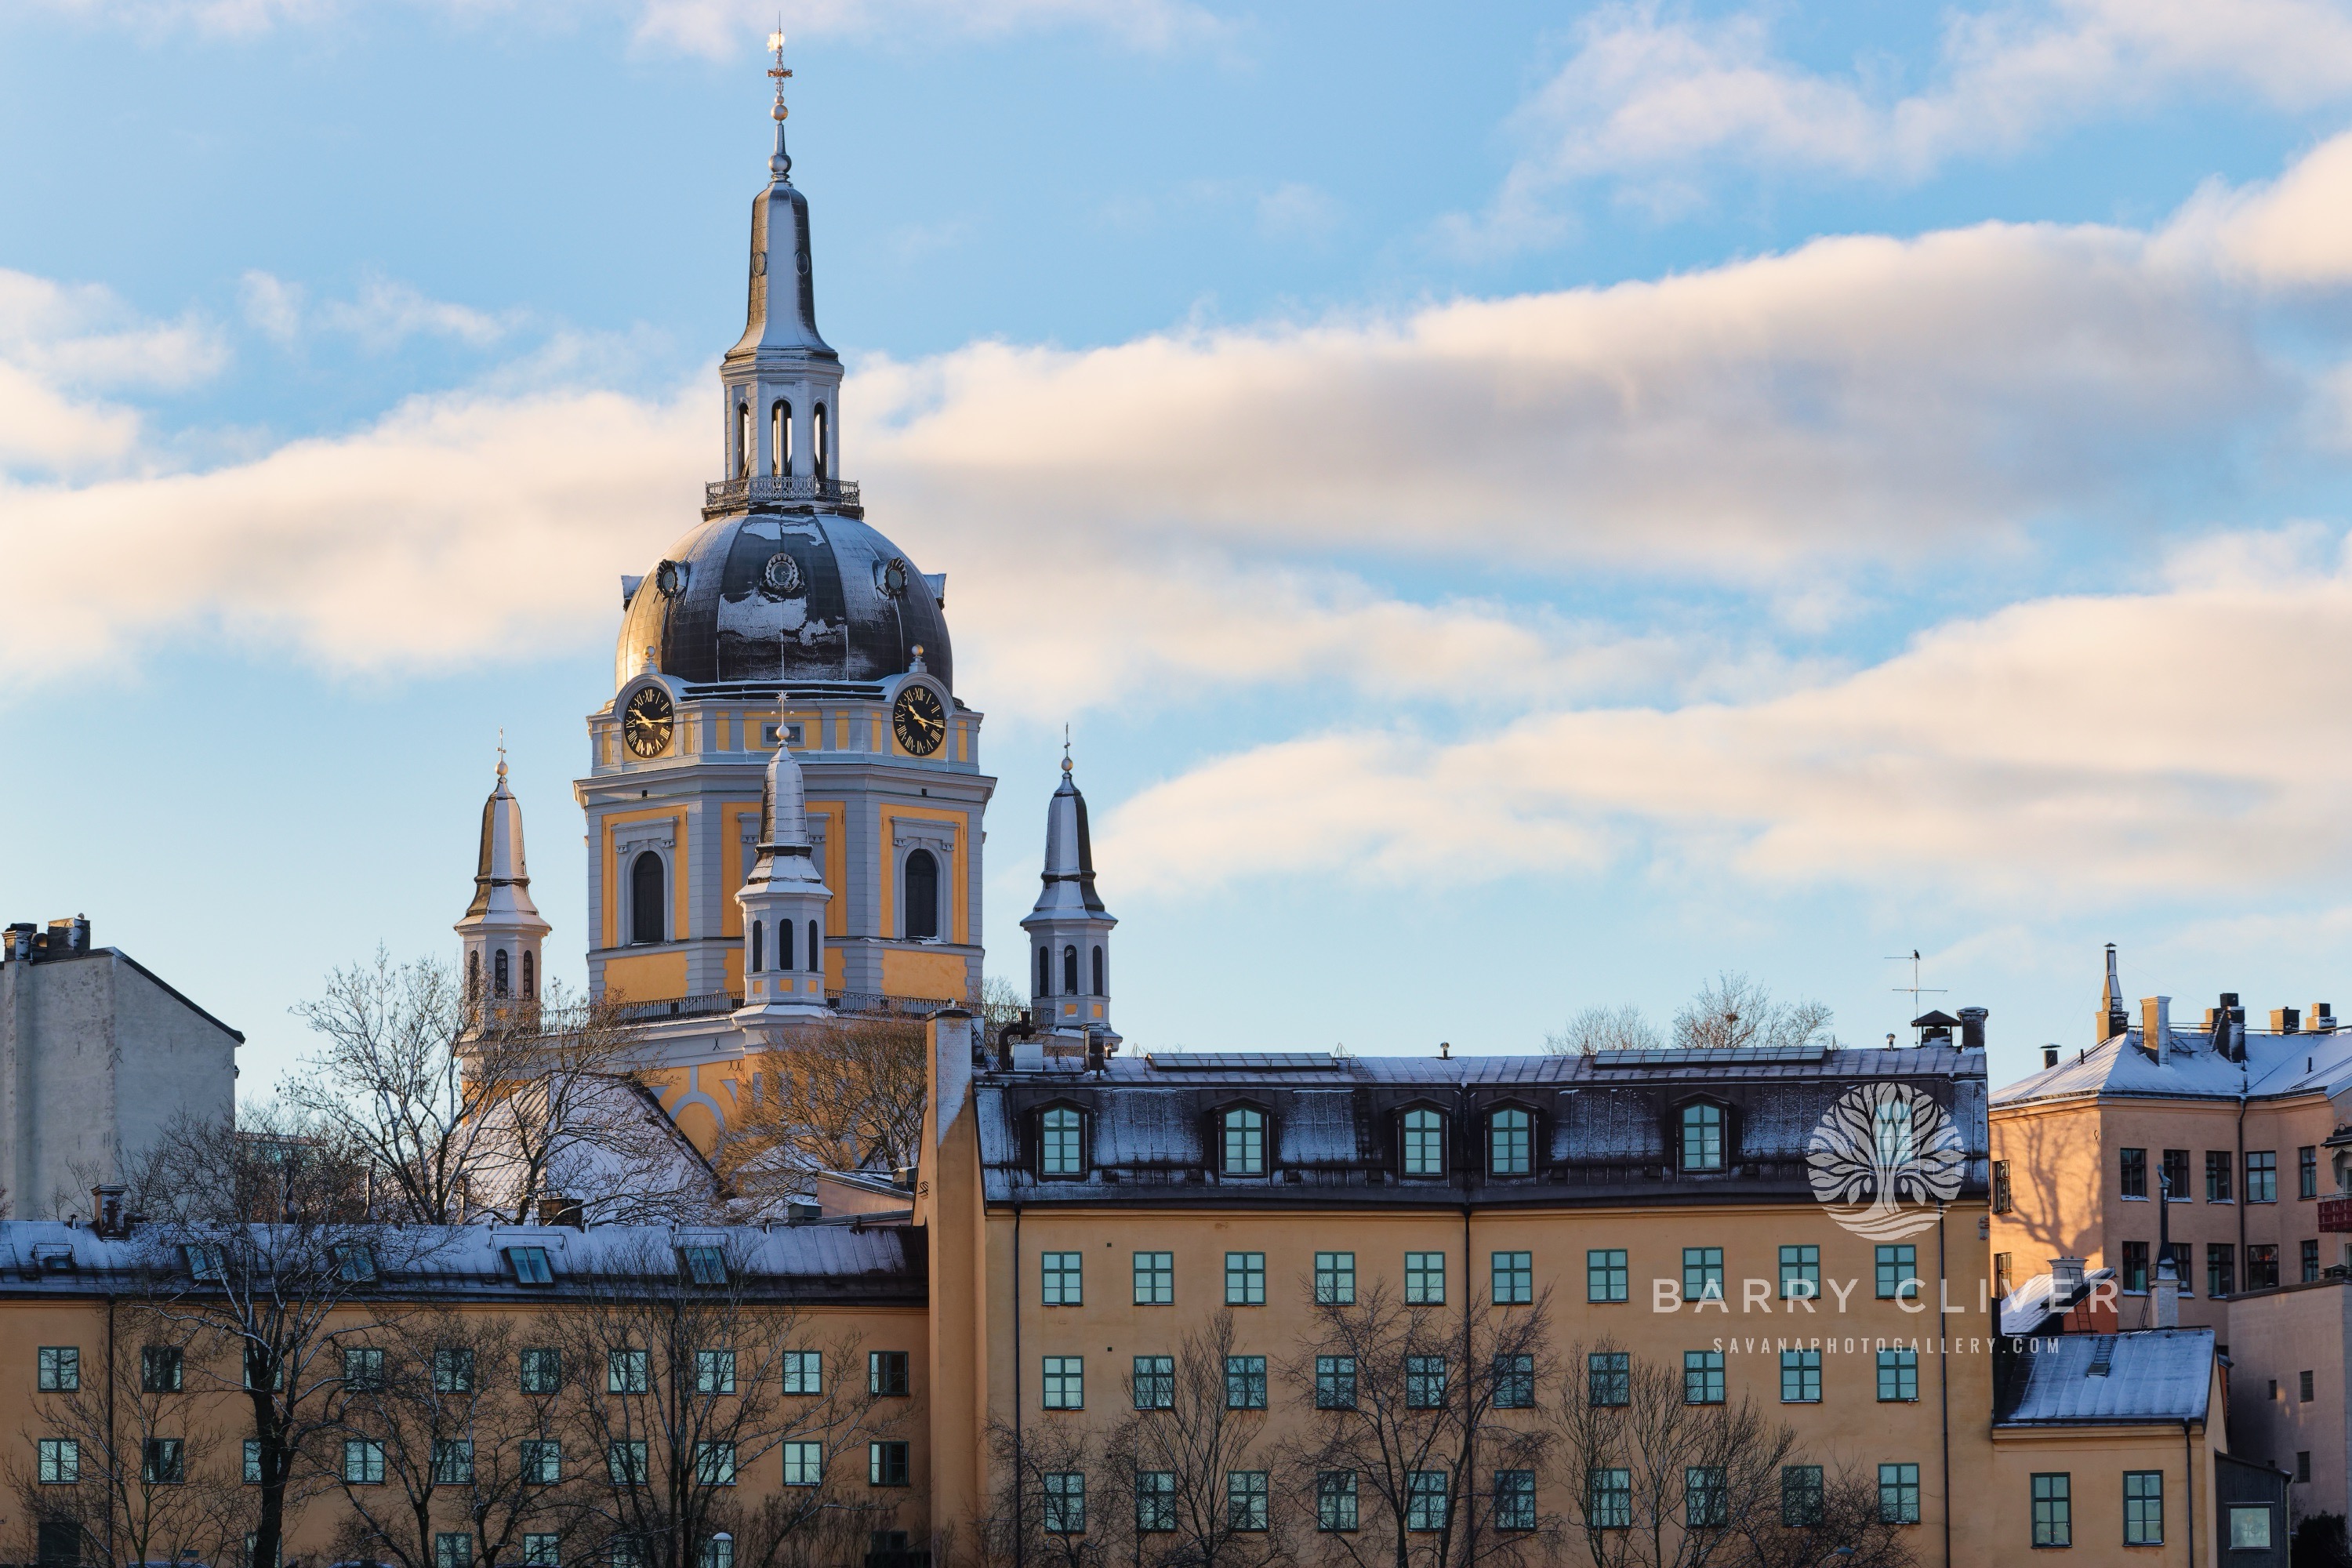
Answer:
x=1065 y=747
x=780 y=164
x=502 y=754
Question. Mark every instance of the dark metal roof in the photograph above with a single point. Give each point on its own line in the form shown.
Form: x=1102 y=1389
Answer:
x=2151 y=1375
x=1602 y=1124
x=830 y=610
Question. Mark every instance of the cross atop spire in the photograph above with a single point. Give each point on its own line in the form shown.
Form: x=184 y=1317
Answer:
x=502 y=753
x=1065 y=747
x=780 y=164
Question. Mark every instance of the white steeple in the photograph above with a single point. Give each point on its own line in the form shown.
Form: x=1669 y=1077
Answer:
x=502 y=930
x=784 y=905
x=781 y=381
x=1069 y=930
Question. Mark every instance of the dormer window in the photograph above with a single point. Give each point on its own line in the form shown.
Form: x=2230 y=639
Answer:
x=704 y=1264
x=354 y=1262
x=1425 y=1143
x=529 y=1264
x=1244 y=1142
x=206 y=1263
x=1511 y=1142
x=1061 y=1143
x=1702 y=1137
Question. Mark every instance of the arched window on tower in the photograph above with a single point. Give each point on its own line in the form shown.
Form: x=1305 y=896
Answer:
x=1045 y=972
x=499 y=972
x=758 y=958
x=530 y=979
x=473 y=974
x=814 y=956
x=922 y=895
x=647 y=890
x=743 y=438
x=1100 y=989
x=780 y=438
x=820 y=446
x=783 y=944
x=1069 y=971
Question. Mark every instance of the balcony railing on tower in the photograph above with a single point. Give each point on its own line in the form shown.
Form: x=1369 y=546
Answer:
x=772 y=490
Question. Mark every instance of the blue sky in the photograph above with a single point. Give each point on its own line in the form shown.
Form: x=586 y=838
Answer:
x=1522 y=507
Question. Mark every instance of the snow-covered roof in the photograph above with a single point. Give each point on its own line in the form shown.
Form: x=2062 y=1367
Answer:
x=1601 y=1123
x=2150 y=1374
x=2025 y=1310
x=2276 y=1065
x=825 y=1260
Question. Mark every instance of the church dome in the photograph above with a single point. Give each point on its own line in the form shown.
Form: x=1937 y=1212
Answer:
x=787 y=597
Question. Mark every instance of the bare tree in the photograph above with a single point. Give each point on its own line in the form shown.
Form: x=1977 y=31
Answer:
x=260 y=1248
x=1836 y=1517
x=847 y=1095
x=1731 y=1011
x=1597 y=1029
x=1044 y=1516
x=1413 y=1405
x=459 y=1105
x=1656 y=1478
x=1196 y=1422
x=116 y=1457
x=445 y=1430
x=678 y=1379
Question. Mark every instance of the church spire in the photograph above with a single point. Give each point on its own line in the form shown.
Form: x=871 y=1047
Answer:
x=782 y=379
x=1069 y=929
x=501 y=930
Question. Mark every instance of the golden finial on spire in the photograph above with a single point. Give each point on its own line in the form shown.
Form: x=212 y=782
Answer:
x=502 y=753
x=780 y=163
x=1065 y=747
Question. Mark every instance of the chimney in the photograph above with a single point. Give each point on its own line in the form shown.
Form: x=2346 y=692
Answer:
x=2065 y=1274
x=2156 y=1026
x=2323 y=1019
x=2113 y=1020
x=2049 y=1056
x=1972 y=1020
x=2286 y=1020
x=2166 y=1295
x=20 y=941
x=106 y=1213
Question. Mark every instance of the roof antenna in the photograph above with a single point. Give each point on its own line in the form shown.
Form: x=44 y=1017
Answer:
x=1914 y=988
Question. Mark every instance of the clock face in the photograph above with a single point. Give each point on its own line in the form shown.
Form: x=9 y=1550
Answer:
x=920 y=720
x=645 y=722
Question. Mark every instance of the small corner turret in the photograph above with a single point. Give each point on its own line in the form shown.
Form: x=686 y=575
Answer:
x=784 y=904
x=502 y=930
x=1069 y=931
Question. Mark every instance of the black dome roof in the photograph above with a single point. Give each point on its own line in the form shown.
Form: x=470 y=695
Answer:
x=784 y=597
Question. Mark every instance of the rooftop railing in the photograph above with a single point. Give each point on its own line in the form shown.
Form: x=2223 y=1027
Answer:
x=767 y=489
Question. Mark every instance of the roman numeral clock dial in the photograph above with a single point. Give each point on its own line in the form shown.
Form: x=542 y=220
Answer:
x=920 y=720
x=645 y=722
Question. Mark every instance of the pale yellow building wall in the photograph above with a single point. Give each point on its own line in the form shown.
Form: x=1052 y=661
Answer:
x=2093 y=1460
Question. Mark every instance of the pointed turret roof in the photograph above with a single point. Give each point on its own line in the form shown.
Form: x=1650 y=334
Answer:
x=501 y=877
x=782 y=326
x=785 y=850
x=1069 y=875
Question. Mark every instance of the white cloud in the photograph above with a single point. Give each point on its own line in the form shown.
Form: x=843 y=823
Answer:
x=383 y=315
x=1647 y=90
x=1872 y=398
x=2070 y=749
x=61 y=345
x=458 y=530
